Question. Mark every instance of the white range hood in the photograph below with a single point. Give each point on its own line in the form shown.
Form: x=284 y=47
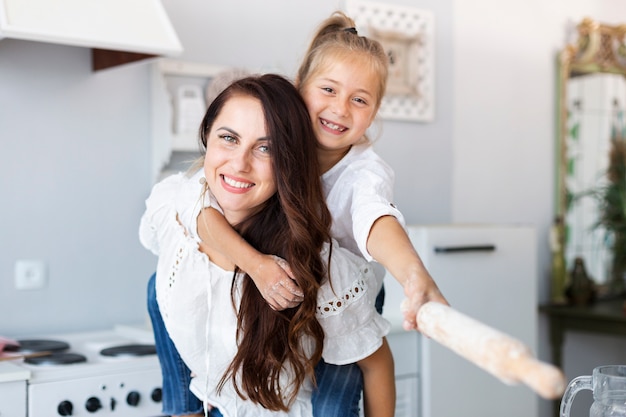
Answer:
x=135 y=26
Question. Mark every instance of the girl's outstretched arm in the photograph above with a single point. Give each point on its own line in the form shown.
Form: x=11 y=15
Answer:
x=389 y=244
x=270 y=274
x=379 y=387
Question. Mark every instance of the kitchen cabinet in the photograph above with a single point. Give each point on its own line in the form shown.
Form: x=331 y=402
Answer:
x=13 y=398
x=12 y=390
x=487 y=272
x=405 y=347
x=169 y=78
x=142 y=28
x=604 y=317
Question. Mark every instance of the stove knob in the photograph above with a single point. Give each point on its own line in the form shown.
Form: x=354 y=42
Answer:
x=93 y=404
x=65 y=408
x=133 y=398
x=157 y=395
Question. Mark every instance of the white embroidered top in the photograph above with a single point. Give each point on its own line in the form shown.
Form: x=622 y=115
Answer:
x=195 y=302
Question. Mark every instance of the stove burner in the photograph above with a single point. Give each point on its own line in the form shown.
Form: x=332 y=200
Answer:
x=129 y=350
x=38 y=345
x=57 y=358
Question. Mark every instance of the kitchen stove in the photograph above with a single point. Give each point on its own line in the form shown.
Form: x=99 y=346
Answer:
x=104 y=373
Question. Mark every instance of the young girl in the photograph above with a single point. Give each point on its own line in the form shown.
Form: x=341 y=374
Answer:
x=260 y=171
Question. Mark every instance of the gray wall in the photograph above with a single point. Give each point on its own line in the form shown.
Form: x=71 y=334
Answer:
x=75 y=167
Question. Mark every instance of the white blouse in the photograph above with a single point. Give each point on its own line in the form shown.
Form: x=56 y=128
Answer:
x=195 y=302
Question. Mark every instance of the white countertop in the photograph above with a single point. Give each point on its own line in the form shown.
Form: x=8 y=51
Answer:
x=11 y=372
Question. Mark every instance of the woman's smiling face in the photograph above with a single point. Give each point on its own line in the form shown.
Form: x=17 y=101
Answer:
x=237 y=165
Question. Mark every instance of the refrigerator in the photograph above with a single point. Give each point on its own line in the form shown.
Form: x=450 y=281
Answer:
x=487 y=272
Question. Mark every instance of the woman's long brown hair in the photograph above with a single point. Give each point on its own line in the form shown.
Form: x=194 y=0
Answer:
x=293 y=224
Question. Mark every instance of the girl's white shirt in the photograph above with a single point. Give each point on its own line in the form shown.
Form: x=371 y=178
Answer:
x=195 y=302
x=358 y=191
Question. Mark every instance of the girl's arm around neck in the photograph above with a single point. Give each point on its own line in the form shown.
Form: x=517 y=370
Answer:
x=269 y=273
x=389 y=245
x=379 y=387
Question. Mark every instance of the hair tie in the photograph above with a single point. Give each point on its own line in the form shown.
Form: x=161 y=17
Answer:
x=351 y=30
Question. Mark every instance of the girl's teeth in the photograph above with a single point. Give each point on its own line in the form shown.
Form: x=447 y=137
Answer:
x=332 y=126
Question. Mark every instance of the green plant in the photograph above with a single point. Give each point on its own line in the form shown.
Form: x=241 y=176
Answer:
x=612 y=205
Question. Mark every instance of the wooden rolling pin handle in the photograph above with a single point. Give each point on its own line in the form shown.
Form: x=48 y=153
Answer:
x=506 y=358
x=545 y=379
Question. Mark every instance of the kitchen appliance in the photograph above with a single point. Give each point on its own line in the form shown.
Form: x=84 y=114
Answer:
x=608 y=384
x=189 y=108
x=141 y=26
x=489 y=273
x=107 y=373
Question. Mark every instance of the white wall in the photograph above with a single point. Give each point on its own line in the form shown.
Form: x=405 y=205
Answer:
x=504 y=134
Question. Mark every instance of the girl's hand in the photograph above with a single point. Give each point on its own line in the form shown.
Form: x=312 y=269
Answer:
x=418 y=291
x=274 y=280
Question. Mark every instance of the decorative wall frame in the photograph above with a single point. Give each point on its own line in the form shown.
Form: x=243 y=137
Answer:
x=407 y=34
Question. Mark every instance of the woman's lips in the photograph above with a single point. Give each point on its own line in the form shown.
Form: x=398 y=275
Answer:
x=236 y=185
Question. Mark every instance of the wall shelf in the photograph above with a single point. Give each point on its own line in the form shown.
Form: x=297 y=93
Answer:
x=167 y=77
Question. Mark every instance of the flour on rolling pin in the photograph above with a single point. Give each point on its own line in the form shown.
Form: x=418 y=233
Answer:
x=504 y=357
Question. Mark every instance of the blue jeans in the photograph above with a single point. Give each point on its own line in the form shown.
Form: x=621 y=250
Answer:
x=215 y=413
x=338 y=390
x=177 y=399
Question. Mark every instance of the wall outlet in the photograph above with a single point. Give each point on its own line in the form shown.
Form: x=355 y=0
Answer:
x=30 y=274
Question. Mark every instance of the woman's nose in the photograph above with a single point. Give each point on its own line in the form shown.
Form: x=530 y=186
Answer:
x=242 y=160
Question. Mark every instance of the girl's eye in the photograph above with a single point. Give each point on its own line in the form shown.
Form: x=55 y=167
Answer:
x=360 y=100
x=328 y=90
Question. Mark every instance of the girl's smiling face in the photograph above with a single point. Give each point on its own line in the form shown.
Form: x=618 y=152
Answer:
x=237 y=165
x=342 y=101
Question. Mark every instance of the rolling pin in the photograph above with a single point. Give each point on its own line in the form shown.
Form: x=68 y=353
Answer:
x=499 y=354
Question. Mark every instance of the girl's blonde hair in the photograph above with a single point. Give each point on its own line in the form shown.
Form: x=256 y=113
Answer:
x=337 y=39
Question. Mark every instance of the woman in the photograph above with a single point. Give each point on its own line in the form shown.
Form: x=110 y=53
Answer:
x=260 y=171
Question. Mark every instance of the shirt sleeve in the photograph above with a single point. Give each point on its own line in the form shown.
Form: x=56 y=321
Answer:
x=176 y=195
x=346 y=310
x=158 y=204
x=372 y=198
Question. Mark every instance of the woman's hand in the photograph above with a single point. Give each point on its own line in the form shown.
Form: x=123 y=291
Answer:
x=274 y=280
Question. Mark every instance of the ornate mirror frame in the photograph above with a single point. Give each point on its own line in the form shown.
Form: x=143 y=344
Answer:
x=599 y=49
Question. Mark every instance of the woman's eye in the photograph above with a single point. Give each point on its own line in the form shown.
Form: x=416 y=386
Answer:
x=264 y=148
x=228 y=138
